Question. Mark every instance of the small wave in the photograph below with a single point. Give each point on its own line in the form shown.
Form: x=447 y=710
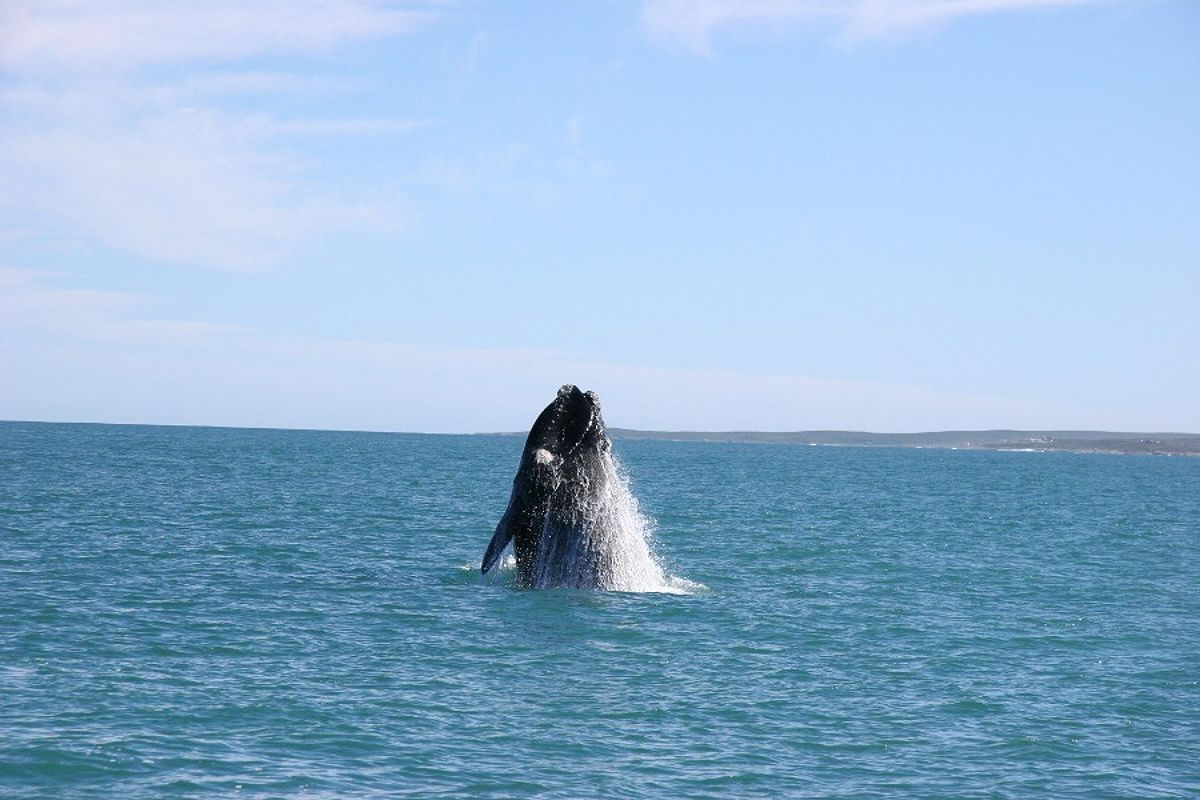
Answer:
x=677 y=585
x=505 y=574
x=507 y=563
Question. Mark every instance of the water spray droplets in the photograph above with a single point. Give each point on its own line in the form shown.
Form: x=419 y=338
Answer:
x=595 y=535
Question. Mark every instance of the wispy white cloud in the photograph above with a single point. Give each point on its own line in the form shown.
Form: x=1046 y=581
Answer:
x=517 y=173
x=91 y=34
x=269 y=126
x=260 y=82
x=511 y=171
x=31 y=301
x=691 y=23
x=231 y=377
x=93 y=148
x=63 y=343
x=183 y=185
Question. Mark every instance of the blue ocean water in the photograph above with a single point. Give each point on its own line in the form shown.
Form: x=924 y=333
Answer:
x=189 y=612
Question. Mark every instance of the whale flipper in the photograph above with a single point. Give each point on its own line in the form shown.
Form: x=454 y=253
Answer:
x=500 y=540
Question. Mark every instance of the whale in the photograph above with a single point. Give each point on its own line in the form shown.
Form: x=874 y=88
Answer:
x=561 y=514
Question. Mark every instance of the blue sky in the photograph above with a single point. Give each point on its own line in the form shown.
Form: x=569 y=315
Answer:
x=892 y=215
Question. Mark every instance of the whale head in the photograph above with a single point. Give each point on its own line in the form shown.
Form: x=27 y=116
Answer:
x=570 y=424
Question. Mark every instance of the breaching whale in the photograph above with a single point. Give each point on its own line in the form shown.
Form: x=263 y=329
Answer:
x=570 y=517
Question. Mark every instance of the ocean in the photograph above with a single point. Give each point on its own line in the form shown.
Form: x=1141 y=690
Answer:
x=206 y=612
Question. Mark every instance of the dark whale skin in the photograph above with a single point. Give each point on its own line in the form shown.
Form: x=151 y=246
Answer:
x=560 y=460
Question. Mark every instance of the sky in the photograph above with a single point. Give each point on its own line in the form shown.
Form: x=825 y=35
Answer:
x=885 y=215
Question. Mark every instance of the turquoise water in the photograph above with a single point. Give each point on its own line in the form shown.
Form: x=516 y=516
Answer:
x=209 y=612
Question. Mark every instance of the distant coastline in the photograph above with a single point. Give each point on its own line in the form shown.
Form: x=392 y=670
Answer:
x=1175 y=444
x=1120 y=442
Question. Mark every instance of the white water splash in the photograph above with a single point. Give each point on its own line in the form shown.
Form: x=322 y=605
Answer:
x=604 y=541
x=598 y=538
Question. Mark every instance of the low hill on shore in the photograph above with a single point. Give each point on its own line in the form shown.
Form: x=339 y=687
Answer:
x=1067 y=441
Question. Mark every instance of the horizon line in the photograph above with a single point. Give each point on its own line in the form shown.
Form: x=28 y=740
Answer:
x=611 y=429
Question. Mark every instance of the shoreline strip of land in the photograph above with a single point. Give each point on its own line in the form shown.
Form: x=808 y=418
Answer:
x=1186 y=444
x=1073 y=441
